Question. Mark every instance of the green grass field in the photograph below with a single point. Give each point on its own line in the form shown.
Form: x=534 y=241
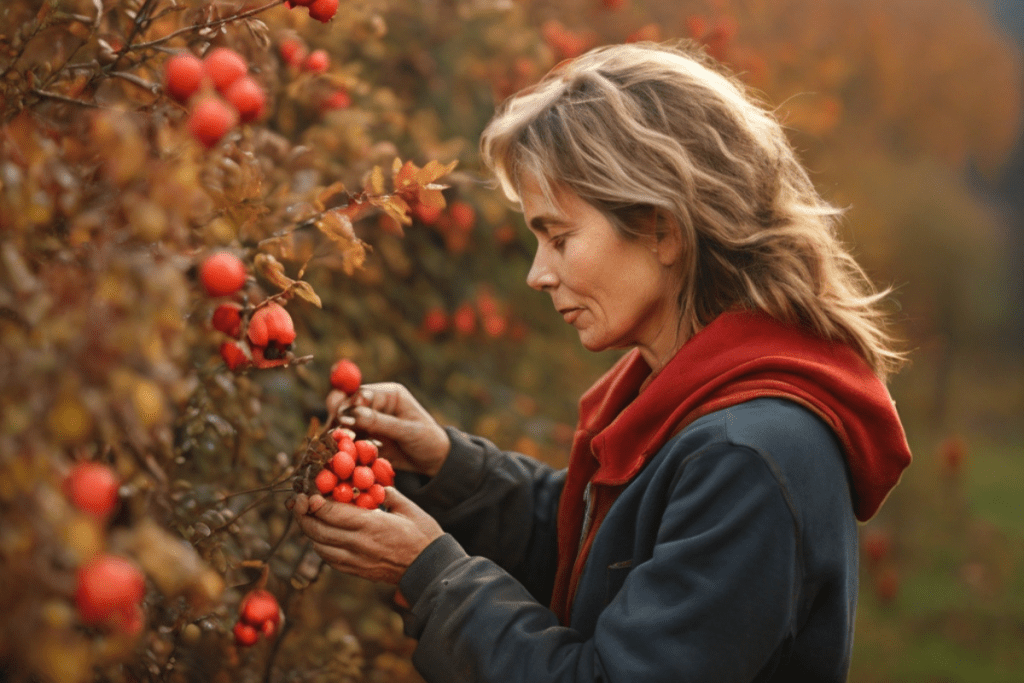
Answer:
x=958 y=550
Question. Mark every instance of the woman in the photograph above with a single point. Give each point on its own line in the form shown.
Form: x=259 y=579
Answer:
x=706 y=526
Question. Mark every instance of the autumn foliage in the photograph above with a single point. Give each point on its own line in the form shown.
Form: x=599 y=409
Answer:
x=204 y=205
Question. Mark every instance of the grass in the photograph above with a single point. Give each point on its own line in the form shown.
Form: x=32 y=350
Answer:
x=959 y=612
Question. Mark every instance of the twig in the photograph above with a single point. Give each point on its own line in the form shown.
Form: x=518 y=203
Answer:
x=211 y=24
x=135 y=80
x=61 y=98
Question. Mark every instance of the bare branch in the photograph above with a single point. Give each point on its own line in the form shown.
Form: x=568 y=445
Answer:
x=45 y=94
x=210 y=24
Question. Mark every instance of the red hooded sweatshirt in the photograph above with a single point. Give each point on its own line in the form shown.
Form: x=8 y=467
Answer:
x=738 y=357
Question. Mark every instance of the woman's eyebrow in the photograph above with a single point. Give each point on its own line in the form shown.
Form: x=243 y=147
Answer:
x=540 y=223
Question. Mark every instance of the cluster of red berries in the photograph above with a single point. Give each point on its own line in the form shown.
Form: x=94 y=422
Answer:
x=355 y=474
x=321 y=10
x=259 y=613
x=297 y=56
x=219 y=89
x=109 y=588
x=270 y=332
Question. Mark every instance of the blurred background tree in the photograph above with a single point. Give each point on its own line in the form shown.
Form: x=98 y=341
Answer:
x=906 y=113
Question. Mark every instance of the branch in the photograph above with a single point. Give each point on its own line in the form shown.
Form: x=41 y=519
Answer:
x=132 y=78
x=210 y=24
x=45 y=94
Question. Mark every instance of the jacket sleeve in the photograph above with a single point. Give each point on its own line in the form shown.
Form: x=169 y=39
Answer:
x=713 y=604
x=497 y=504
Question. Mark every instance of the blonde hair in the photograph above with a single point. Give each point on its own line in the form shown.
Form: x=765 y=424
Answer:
x=644 y=129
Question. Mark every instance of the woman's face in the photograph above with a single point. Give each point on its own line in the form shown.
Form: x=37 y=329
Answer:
x=616 y=292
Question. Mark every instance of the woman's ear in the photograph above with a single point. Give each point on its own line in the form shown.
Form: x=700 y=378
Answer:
x=669 y=244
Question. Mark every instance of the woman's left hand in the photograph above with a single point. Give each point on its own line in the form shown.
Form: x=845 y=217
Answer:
x=373 y=544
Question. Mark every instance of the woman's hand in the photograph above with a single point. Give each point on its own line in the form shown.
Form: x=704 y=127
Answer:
x=372 y=544
x=412 y=439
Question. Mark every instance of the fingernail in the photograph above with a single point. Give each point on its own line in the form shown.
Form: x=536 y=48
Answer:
x=347 y=420
x=366 y=394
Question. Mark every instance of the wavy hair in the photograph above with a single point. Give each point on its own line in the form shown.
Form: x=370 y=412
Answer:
x=644 y=129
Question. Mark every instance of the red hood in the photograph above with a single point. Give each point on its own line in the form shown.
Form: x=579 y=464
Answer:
x=738 y=357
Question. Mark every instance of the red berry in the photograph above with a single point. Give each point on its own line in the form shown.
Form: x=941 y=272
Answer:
x=224 y=66
x=326 y=481
x=233 y=355
x=110 y=588
x=339 y=435
x=259 y=606
x=339 y=99
x=227 y=318
x=245 y=635
x=876 y=543
x=343 y=464
x=210 y=120
x=323 y=10
x=183 y=75
x=435 y=321
x=343 y=493
x=346 y=376
x=292 y=51
x=463 y=215
x=222 y=274
x=495 y=325
x=247 y=97
x=427 y=214
x=268 y=628
x=366 y=500
x=377 y=494
x=383 y=471
x=317 y=62
x=271 y=324
x=366 y=452
x=92 y=487
x=362 y=477
x=464 y=319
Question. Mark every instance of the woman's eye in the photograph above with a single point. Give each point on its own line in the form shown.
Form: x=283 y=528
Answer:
x=558 y=241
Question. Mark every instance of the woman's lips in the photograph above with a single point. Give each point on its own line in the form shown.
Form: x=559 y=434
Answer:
x=570 y=314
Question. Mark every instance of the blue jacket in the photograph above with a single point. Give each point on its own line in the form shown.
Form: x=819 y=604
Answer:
x=731 y=556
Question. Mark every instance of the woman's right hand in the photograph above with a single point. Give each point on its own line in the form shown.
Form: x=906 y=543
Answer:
x=412 y=439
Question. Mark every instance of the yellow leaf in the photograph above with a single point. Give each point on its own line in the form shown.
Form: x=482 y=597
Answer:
x=433 y=171
x=432 y=198
x=305 y=291
x=273 y=270
x=337 y=226
x=330 y=191
x=404 y=175
x=377 y=180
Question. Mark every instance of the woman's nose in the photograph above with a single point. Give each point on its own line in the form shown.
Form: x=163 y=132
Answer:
x=541 y=276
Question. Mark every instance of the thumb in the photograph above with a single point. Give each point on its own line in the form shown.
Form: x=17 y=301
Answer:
x=380 y=424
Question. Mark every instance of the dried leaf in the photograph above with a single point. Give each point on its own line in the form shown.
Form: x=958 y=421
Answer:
x=337 y=226
x=273 y=270
x=330 y=191
x=433 y=171
x=305 y=291
x=377 y=181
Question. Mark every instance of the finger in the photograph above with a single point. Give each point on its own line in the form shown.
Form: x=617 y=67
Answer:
x=342 y=515
x=316 y=501
x=301 y=504
x=380 y=424
x=335 y=401
x=395 y=501
x=320 y=532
